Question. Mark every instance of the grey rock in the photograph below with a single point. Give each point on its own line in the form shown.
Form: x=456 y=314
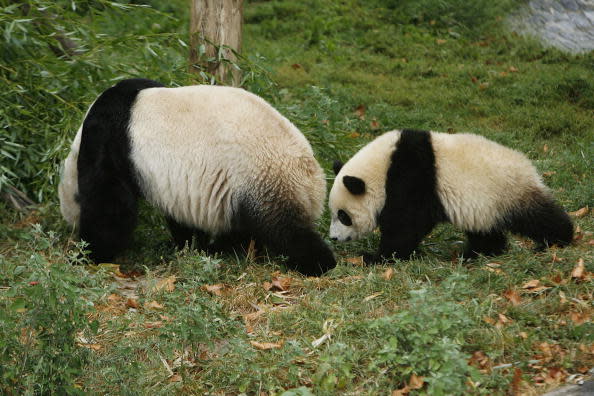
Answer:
x=574 y=390
x=565 y=24
x=570 y=5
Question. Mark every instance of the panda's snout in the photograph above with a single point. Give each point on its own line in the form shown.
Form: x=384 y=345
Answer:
x=334 y=238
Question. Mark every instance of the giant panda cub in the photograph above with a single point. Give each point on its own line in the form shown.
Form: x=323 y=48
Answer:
x=220 y=163
x=408 y=181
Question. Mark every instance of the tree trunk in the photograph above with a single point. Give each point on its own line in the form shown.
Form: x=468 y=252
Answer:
x=214 y=23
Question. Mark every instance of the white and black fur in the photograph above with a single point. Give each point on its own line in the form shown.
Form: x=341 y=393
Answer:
x=220 y=162
x=408 y=181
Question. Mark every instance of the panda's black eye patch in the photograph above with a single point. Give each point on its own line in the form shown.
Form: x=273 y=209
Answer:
x=344 y=218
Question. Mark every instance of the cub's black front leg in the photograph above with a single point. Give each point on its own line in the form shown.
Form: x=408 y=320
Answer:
x=399 y=245
x=393 y=245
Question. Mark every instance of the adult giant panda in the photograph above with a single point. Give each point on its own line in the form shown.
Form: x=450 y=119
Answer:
x=220 y=163
x=408 y=181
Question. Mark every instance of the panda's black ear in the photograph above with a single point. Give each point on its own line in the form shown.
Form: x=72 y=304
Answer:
x=337 y=166
x=355 y=185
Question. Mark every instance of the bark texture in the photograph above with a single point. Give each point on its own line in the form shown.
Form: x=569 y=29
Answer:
x=217 y=22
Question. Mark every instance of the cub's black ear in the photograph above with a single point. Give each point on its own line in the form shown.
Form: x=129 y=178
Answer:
x=337 y=166
x=355 y=185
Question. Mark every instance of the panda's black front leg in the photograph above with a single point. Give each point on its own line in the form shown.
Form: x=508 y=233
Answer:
x=183 y=234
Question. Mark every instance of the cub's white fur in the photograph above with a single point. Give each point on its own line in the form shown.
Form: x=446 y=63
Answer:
x=480 y=181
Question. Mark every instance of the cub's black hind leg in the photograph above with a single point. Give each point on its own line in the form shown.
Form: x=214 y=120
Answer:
x=490 y=243
x=543 y=221
x=107 y=220
x=183 y=234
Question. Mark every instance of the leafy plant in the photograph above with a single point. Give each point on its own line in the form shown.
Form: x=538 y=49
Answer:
x=426 y=339
x=43 y=318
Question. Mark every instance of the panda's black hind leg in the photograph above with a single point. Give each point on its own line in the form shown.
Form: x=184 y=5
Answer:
x=183 y=235
x=107 y=220
x=543 y=221
x=490 y=243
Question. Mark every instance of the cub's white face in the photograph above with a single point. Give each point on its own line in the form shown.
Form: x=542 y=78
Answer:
x=359 y=191
x=353 y=215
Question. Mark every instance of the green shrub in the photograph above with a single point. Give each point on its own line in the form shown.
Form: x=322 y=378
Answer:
x=426 y=339
x=43 y=316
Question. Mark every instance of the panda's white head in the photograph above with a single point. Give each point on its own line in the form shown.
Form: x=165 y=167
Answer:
x=359 y=191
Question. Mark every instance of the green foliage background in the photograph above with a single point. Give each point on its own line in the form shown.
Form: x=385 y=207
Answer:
x=445 y=65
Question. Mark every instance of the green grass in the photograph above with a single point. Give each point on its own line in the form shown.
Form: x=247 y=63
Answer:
x=440 y=65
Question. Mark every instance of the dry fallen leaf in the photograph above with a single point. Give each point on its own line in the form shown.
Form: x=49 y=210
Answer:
x=374 y=124
x=358 y=261
x=166 y=284
x=516 y=381
x=374 y=295
x=114 y=298
x=549 y=173
x=555 y=375
x=132 y=303
x=480 y=360
x=523 y=334
x=153 y=325
x=360 y=111
x=282 y=282
x=545 y=148
x=415 y=382
x=580 y=212
x=153 y=305
x=503 y=320
x=440 y=41
x=494 y=267
x=512 y=69
x=94 y=347
x=513 y=297
x=217 y=290
x=354 y=134
x=578 y=270
x=562 y=297
x=578 y=233
x=175 y=378
x=579 y=317
x=558 y=279
x=531 y=284
x=483 y=86
x=296 y=66
x=263 y=346
x=401 y=392
x=388 y=274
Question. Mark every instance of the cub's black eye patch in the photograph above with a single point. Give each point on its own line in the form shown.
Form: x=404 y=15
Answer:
x=344 y=218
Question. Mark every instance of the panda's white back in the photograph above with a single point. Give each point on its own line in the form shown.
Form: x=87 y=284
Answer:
x=479 y=181
x=199 y=148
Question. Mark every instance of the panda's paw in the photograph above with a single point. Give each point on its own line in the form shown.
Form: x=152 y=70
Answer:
x=316 y=263
x=371 y=259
